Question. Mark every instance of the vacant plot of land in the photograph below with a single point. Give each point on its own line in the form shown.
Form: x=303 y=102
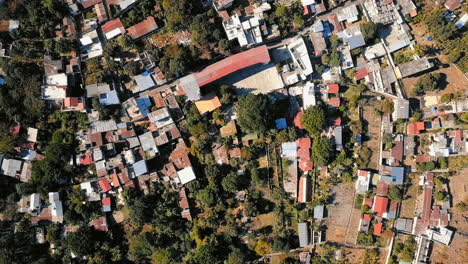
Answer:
x=408 y=205
x=457 y=253
x=339 y=212
x=372 y=123
x=264 y=220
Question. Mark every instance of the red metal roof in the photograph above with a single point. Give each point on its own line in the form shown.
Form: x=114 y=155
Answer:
x=104 y=184
x=306 y=10
x=397 y=151
x=361 y=74
x=14 y=130
x=382 y=188
x=90 y=3
x=337 y=121
x=144 y=27
x=111 y=25
x=86 y=159
x=427 y=202
x=302 y=196
x=335 y=101
x=452 y=4
x=106 y=201
x=231 y=64
x=115 y=179
x=333 y=88
x=368 y=202
x=420 y=125
x=380 y=205
x=378 y=229
x=366 y=217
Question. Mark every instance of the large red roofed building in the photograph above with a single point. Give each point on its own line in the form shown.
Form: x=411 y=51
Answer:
x=231 y=64
x=113 y=28
x=303 y=196
x=380 y=205
x=143 y=28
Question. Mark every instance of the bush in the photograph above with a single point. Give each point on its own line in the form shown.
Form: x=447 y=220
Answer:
x=425 y=166
x=428 y=82
x=445 y=98
x=394 y=193
x=364 y=239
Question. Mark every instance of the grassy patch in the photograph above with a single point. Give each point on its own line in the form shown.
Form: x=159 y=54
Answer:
x=358 y=201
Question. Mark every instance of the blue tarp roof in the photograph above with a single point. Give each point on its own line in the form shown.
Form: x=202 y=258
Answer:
x=144 y=104
x=281 y=123
x=2 y=81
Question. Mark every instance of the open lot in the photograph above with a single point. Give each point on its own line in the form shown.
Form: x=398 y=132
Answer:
x=340 y=214
x=457 y=253
x=256 y=79
x=372 y=125
x=408 y=205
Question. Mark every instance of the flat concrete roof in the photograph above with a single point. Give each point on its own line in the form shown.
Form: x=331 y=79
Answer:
x=259 y=79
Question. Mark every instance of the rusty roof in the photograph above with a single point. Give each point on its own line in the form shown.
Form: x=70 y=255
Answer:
x=143 y=28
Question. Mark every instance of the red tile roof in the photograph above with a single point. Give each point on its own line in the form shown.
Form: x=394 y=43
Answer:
x=90 y=3
x=99 y=224
x=380 y=205
x=143 y=28
x=333 y=88
x=231 y=64
x=303 y=190
x=397 y=151
x=305 y=165
x=415 y=128
x=235 y=153
x=14 y=130
x=111 y=25
x=71 y=101
x=115 y=180
x=297 y=120
x=382 y=188
x=180 y=157
x=104 y=184
x=378 y=229
x=96 y=139
x=420 y=125
x=86 y=159
x=335 y=101
x=361 y=74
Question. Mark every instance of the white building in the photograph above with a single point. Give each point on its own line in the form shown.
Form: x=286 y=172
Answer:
x=300 y=55
x=308 y=95
x=186 y=175
x=56 y=207
x=246 y=30
x=55 y=87
x=362 y=184
x=35 y=203
x=91 y=46
x=350 y=14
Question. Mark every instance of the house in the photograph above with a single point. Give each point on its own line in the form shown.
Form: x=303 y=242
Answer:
x=113 y=28
x=246 y=30
x=415 y=128
x=349 y=14
x=365 y=223
x=380 y=205
x=184 y=205
x=161 y=117
x=208 y=103
x=91 y=46
x=55 y=87
x=9 y=25
x=289 y=150
x=333 y=19
x=363 y=181
x=101 y=13
x=11 y=167
x=56 y=207
x=186 y=175
x=400 y=109
x=404 y=225
x=308 y=95
x=228 y=130
x=220 y=154
x=96 y=89
x=378 y=229
x=221 y=5
x=452 y=5
x=304 y=190
x=298 y=120
x=35 y=204
x=335 y=102
x=179 y=156
x=362 y=73
x=303 y=152
x=442 y=236
x=144 y=82
x=338 y=131
x=140 y=168
x=104 y=185
x=462 y=21
x=382 y=188
x=100 y=224
x=319 y=211
x=398 y=175
x=148 y=145
x=143 y=28
x=318 y=42
x=32 y=134
x=298 y=50
x=353 y=37
x=303 y=232
x=333 y=88
x=346 y=57
x=414 y=67
x=109 y=98
x=106 y=204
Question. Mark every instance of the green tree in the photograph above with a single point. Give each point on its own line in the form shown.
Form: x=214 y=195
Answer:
x=428 y=82
x=445 y=98
x=236 y=257
x=298 y=21
x=254 y=113
x=161 y=257
x=365 y=239
x=262 y=248
x=313 y=119
x=335 y=59
x=369 y=31
x=394 y=193
x=81 y=242
x=201 y=30
x=7 y=142
x=320 y=150
x=230 y=183
x=443 y=162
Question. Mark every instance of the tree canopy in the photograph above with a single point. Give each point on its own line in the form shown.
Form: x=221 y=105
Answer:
x=254 y=113
x=314 y=119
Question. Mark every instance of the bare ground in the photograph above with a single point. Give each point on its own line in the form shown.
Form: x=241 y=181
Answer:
x=373 y=124
x=408 y=205
x=457 y=252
